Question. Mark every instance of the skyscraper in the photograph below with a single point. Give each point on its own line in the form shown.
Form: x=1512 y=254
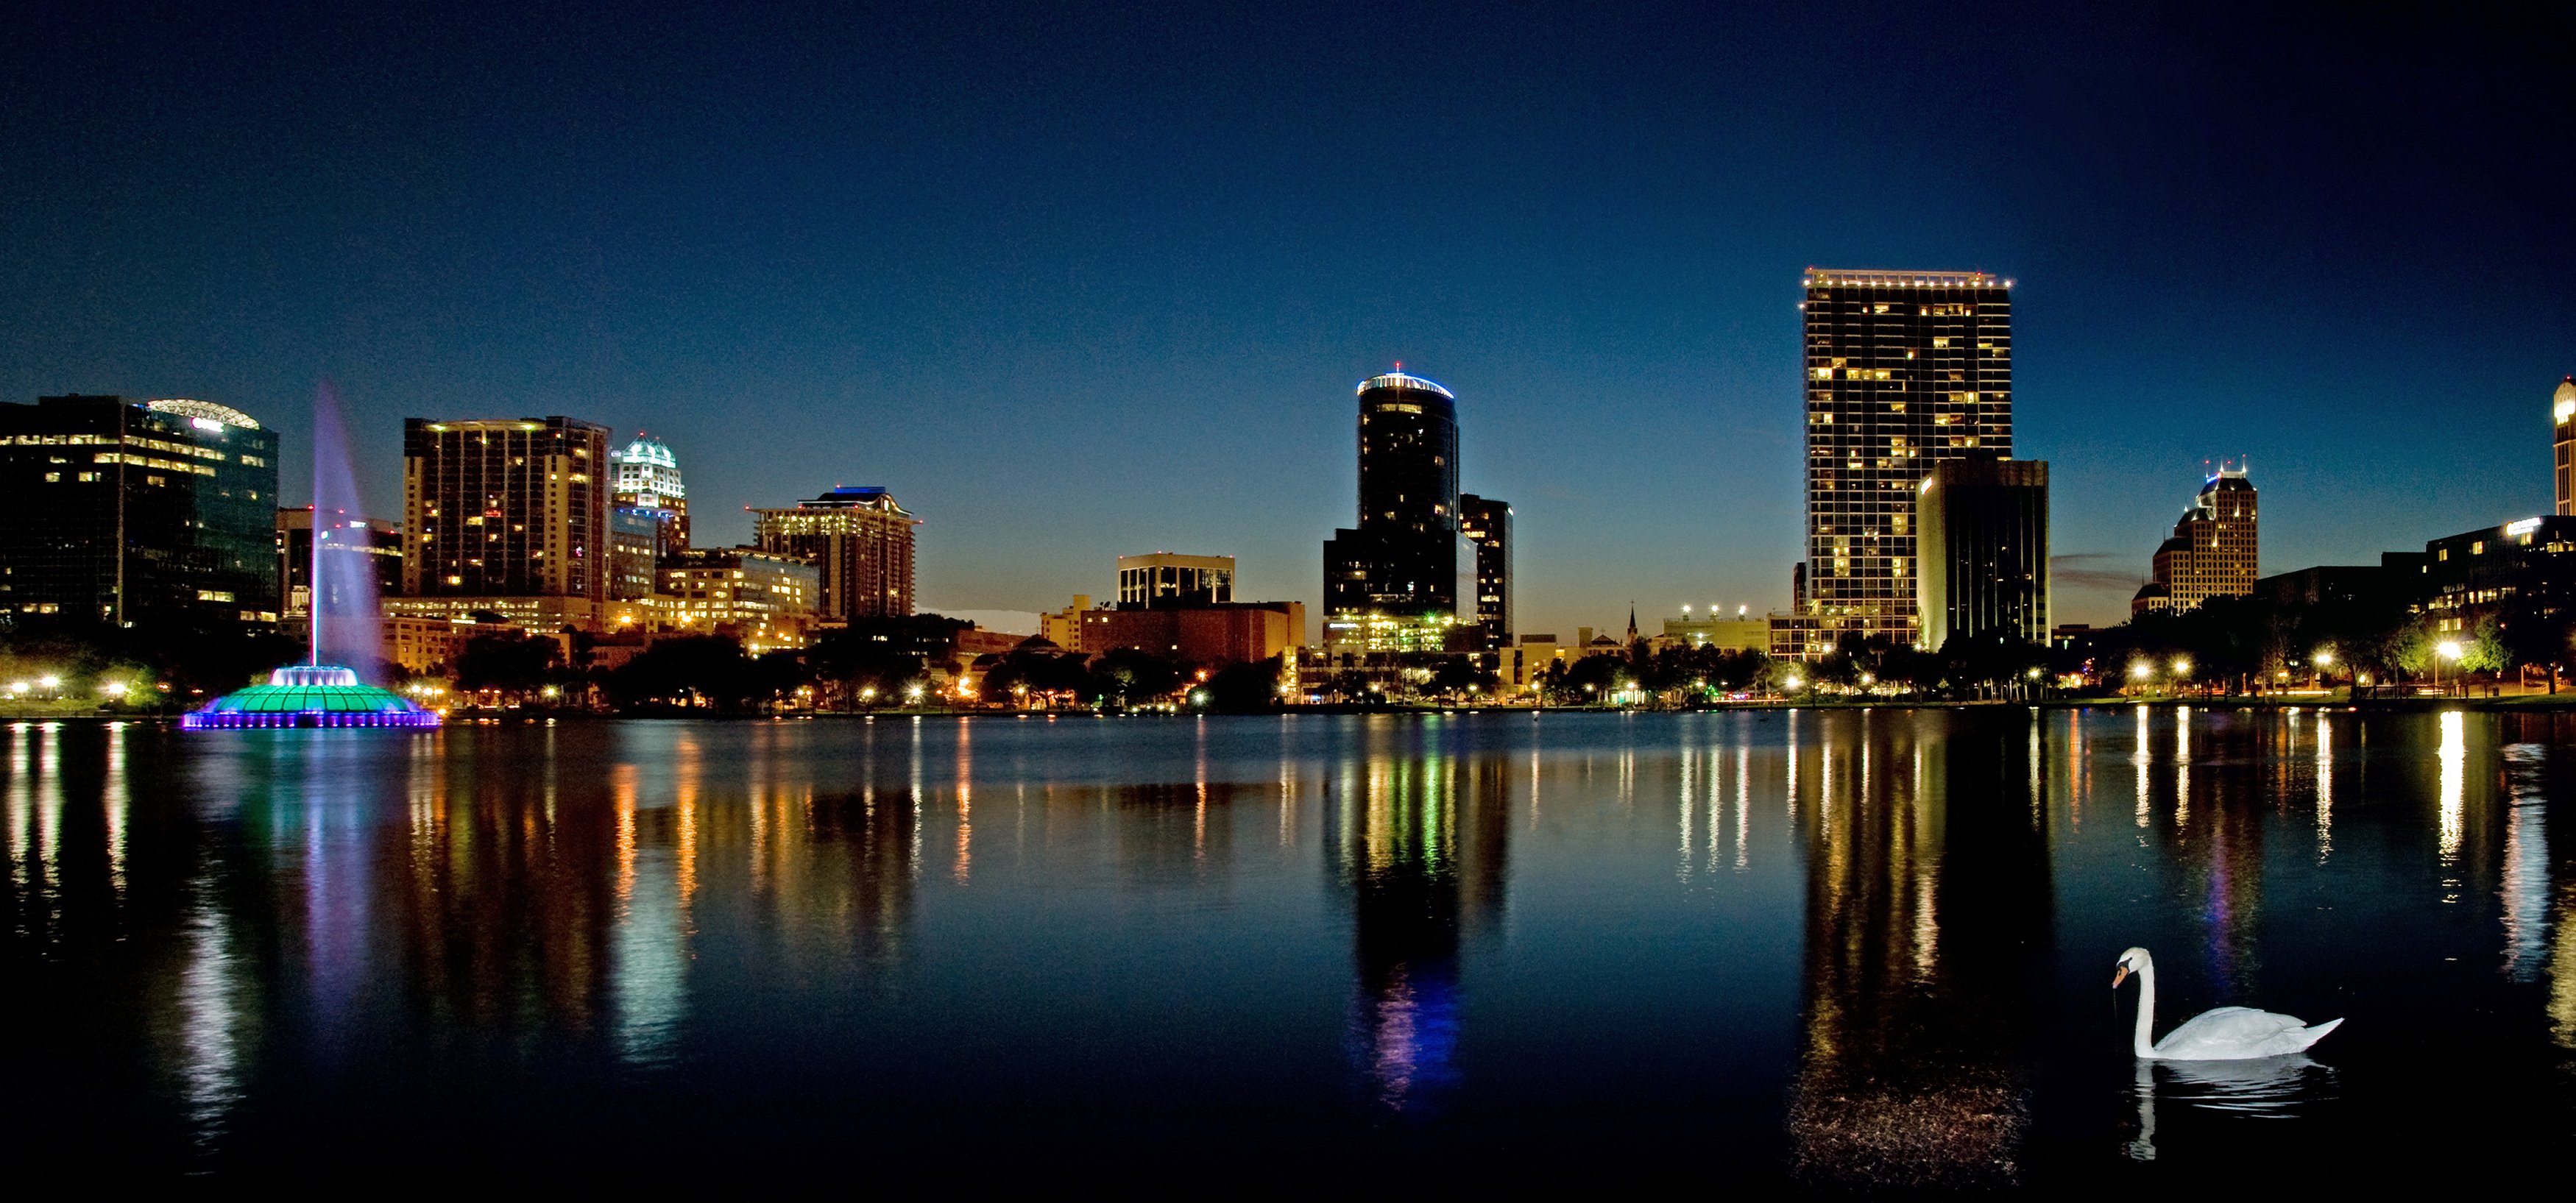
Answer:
x=2213 y=550
x=1903 y=370
x=646 y=476
x=505 y=507
x=860 y=539
x=1487 y=523
x=1402 y=559
x=2562 y=411
x=137 y=513
x=1982 y=526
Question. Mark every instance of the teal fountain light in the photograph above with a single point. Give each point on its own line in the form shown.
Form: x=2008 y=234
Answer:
x=343 y=607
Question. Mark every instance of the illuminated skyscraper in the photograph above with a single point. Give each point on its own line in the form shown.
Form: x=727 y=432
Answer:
x=1982 y=543
x=1402 y=559
x=2212 y=552
x=505 y=507
x=2562 y=411
x=860 y=539
x=158 y=514
x=1903 y=370
x=646 y=476
x=1487 y=523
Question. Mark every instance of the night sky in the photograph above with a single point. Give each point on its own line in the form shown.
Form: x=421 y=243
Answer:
x=1083 y=280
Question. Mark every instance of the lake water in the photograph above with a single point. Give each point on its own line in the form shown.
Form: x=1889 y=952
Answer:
x=1830 y=949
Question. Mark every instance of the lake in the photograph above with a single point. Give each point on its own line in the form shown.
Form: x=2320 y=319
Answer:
x=1838 y=950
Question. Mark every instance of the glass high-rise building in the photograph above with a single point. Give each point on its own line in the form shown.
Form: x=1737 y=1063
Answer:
x=1904 y=369
x=1487 y=524
x=1982 y=535
x=505 y=507
x=157 y=514
x=1402 y=558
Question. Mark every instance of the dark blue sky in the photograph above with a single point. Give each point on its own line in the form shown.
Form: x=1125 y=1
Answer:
x=1082 y=280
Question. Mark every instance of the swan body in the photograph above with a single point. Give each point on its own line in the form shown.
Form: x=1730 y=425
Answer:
x=2223 y=1034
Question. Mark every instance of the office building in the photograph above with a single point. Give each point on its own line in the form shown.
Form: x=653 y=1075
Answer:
x=2212 y=552
x=2562 y=412
x=505 y=507
x=1486 y=523
x=1903 y=370
x=1402 y=558
x=1725 y=634
x=1166 y=579
x=639 y=539
x=860 y=540
x=379 y=541
x=765 y=599
x=1063 y=628
x=159 y=514
x=1210 y=634
x=645 y=475
x=1981 y=531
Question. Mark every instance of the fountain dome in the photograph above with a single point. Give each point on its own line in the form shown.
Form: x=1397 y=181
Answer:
x=309 y=695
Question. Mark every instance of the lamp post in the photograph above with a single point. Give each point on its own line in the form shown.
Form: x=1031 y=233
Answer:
x=2448 y=650
x=2138 y=674
x=2182 y=672
x=2324 y=660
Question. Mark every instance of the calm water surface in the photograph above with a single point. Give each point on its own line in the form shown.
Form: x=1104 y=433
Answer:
x=1826 y=950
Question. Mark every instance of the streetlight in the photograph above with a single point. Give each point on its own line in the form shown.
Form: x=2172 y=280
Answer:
x=2450 y=650
x=49 y=681
x=2324 y=660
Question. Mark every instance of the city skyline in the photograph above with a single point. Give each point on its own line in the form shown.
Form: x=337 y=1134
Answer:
x=1615 y=299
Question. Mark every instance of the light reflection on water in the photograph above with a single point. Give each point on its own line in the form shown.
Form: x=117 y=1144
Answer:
x=1858 y=949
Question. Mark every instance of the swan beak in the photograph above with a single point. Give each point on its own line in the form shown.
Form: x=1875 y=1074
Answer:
x=2118 y=976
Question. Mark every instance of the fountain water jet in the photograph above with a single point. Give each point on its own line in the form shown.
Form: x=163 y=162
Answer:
x=343 y=606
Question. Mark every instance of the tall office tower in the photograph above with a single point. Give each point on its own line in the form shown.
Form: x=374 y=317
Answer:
x=1982 y=531
x=638 y=542
x=1402 y=560
x=1487 y=523
x=1167 y=579
x=2562 y=411
x=1904 y=370
x=646 y=476
x=860 y=539
x=2212 y=552
x=505 y=507
x=157 y=514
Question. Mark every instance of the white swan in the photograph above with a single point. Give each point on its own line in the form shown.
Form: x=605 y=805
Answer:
x=2224 y=1034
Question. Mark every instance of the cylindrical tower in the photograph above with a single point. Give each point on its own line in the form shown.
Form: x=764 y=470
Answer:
x=1408 y=455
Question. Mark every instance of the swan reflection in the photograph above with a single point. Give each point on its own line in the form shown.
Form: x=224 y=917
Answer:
x=2271 y=1088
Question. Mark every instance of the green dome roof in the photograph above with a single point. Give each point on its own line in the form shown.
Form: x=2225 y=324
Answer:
x=311 y=695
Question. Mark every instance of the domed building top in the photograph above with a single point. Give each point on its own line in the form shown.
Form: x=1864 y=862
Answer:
x=2562 y=404
x=1402 y=380
x=309 y=695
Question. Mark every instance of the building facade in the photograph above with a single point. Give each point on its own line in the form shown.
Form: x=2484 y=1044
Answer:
x=138 y=513
x=505 y=507
x=1486 y=523
x=1227 y=633
x=2213 y=551
x=2562 y=413
x=645 y=475
x=860 y=540
x=1402 y=558
x=765 y=599
x=638 y=541
x=1981 y=527
x=1167 y=579
x=379 y=541
x=1903 y=370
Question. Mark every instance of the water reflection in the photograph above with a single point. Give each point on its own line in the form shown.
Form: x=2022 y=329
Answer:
x=1422 y=847
x=2268 y=1087
x=845 y=927
x=1927 y=893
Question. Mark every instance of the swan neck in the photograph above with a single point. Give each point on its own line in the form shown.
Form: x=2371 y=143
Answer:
x=2145 y=1043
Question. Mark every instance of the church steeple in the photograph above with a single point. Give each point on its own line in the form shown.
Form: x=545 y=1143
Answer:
x=1632 y=623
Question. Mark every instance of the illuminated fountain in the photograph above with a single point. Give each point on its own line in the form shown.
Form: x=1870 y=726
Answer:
x=343 y=607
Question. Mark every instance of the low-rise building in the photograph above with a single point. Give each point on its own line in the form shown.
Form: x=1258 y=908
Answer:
x=1235 y=633
x=532 y=612
x=765 y=599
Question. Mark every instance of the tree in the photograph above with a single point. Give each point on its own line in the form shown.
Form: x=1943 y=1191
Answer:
x=689 y=670
x=1245 y=688
x=512 y=665
x=1126 y=676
